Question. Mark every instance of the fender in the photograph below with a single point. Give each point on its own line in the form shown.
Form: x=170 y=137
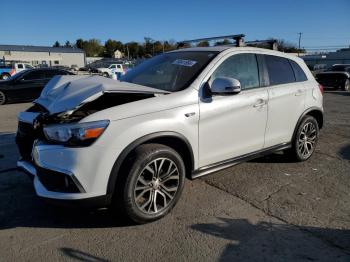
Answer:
x=304 y=114
x=117 y=165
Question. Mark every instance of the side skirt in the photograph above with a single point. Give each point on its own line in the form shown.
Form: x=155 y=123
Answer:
x=206 y=170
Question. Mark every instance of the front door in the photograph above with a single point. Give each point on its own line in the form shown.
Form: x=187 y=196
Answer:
x=233 y=125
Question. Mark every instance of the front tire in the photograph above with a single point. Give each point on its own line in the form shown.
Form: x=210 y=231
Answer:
x=5 y=76
x=2 y=98
x=346 y=86
x=305 y=140
x=153 y=184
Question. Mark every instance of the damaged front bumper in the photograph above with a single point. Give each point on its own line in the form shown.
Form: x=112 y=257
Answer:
x=59 y=173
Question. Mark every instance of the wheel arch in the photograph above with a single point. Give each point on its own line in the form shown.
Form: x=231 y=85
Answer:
x=172 y=139
x=316 y=112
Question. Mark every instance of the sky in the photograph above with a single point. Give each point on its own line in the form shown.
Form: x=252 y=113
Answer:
x=323 y=23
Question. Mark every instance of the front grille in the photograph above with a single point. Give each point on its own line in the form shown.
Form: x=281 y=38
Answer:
x=57 y=182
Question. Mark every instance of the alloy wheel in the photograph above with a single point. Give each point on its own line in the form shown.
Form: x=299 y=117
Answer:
x=307 y=140
x=157 y=185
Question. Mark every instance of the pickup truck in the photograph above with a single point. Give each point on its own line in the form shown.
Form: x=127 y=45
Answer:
x=111 y=70
x=338 y=76
x=6 y=71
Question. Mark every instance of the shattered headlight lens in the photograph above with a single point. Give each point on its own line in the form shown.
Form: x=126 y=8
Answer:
x=76 y=133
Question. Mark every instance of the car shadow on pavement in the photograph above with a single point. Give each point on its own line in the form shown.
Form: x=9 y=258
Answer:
x=20 y=207
x=267 y=241
x=278 y=157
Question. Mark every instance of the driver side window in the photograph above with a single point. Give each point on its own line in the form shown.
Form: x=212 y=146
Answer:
x=242 y=67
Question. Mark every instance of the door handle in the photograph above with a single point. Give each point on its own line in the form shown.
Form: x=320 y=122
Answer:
x=299 y=92
x=260 y=103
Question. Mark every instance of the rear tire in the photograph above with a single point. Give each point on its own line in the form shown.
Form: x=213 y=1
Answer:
x=2 y=98
x=305 y=140
x=346 y=86
x=152 y=184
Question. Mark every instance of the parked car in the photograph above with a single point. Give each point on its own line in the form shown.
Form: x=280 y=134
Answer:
x=27 y=85
x=338 y=76
x=186 y=113
x=112 y=69
x=74 y=68
x=6 y=71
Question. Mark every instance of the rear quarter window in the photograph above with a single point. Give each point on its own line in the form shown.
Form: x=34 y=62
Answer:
x=279 y=69
x=299 y=73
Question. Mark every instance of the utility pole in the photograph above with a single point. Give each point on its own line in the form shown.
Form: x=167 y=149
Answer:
x=299 y=42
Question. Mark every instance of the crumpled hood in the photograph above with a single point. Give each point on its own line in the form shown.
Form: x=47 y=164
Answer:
x=68 y=93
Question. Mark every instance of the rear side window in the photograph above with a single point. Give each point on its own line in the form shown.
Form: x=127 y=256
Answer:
x=299 y=73
x=279 y=69
x=242 y=67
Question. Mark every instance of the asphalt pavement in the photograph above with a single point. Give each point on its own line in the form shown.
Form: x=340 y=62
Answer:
x=269 y=209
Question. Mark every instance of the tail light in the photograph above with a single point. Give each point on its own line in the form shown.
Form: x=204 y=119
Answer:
x=321 y=88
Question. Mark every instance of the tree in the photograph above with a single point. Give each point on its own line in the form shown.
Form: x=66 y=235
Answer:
x=158 y=47
x=67 y=44
x=79 y=43
x=203 y=44
x=111 y=46
x=93 y=47
x=56 y=44
x=224 y=42
x=287 y=47
x=149 y=46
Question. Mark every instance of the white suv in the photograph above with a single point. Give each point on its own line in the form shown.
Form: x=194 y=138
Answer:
x=187 y=113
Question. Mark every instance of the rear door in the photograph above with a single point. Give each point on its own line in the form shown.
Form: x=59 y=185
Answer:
x=286 y=100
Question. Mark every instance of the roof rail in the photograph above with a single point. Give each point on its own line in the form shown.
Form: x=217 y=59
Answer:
x=238 y=38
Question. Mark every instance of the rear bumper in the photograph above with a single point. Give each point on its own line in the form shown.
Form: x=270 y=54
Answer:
x=81 y=199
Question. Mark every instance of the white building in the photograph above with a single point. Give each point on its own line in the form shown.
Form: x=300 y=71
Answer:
x=118 y=54
x=36 y=55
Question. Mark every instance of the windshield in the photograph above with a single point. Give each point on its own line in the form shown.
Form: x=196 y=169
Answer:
x=170 y=71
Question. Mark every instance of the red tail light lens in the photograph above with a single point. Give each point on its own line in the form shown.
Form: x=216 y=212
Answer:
x=321 y=88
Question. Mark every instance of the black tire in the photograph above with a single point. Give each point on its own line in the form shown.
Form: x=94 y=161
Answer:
x=3 y=98
x=5 y=76
x=303 y=146
x=346 y=86
x=129 y=199
x=105 y=74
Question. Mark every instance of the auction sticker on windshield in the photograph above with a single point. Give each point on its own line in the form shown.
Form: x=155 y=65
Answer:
x=184 y=62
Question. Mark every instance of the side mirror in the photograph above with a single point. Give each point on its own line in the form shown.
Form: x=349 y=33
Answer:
x=225 y=86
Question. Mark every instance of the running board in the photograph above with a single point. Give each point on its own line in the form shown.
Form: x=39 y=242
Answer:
x=206 y=170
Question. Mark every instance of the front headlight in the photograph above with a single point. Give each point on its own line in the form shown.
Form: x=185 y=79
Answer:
x=76 y=133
